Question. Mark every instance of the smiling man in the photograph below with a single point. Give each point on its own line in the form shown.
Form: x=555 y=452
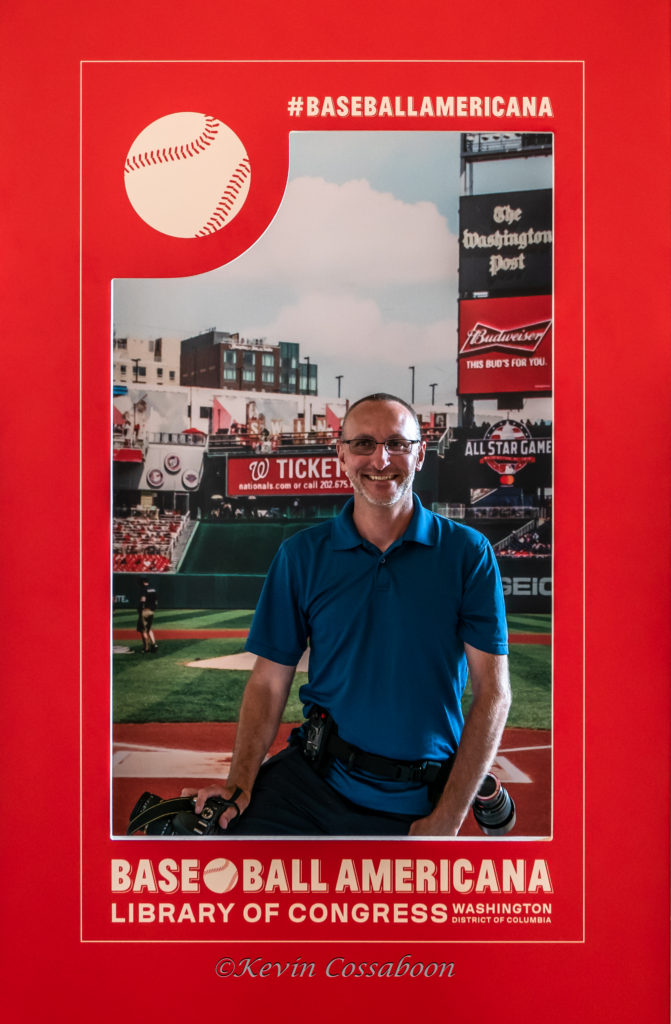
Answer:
x=398 y=606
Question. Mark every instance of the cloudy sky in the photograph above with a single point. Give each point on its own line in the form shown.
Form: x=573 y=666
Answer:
x=359 y=265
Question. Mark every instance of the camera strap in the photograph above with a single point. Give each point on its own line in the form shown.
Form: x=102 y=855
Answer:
x=159 y=811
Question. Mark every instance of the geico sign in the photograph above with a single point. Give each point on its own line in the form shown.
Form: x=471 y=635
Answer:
x=523 y=586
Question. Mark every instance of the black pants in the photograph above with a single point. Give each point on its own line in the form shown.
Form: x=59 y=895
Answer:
x=289 y=798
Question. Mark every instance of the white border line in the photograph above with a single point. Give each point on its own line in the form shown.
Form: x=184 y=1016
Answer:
x=321 y=62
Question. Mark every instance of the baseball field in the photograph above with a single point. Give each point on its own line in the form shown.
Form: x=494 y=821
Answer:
x=174 y=711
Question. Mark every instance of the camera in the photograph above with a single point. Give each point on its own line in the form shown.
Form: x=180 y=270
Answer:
x=317 y=730
x=493 y=807
x=157 y=817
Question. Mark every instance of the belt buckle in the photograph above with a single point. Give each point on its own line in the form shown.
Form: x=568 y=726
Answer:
x=422 y=769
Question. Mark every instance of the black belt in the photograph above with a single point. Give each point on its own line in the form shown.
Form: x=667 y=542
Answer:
x=352 y=757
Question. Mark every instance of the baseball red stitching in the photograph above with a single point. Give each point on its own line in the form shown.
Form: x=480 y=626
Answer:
x=162 y=156
x=223 y=209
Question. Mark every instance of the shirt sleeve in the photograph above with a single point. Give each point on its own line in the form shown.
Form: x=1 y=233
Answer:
x=483 y=615
x=279 y=629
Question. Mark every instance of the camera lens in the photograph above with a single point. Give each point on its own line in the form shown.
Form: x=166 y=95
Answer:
x=493 y=807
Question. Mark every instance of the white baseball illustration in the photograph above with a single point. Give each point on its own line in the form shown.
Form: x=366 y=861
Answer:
x=187 y=175
x=220 y=875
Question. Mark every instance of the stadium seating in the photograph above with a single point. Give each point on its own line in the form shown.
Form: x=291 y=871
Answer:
x=532 y=541
x=145 y=540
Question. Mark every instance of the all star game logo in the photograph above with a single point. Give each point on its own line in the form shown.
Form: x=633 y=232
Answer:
x=507 y=447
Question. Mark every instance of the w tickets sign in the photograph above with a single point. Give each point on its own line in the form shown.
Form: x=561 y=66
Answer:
x=288 y=475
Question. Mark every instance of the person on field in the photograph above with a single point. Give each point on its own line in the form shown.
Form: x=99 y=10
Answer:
x=146 y=608
x=397 y=605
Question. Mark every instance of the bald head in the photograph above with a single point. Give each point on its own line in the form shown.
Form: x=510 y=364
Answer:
x=381 y=396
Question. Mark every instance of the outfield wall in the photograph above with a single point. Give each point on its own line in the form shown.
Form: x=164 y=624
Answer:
x=225 y=566
x=178 y=590
x=243 y=548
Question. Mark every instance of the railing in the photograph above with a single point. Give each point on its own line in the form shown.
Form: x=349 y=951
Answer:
x=505 y=142
x=118 y=441
x=505 y=542
x=245 y=443
x=169 y=437
x=269 y=445
x=501 y=512
x=449 y=511
x=444 y=442
x=182 y=540
x=279 y=444
x=457 y=511
x=513 y=545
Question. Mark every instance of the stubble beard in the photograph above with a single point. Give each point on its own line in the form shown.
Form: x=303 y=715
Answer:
x=359 y=488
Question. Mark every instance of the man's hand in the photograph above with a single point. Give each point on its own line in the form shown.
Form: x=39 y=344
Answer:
x=225 y=790
x=432 y=826
x=263 y=701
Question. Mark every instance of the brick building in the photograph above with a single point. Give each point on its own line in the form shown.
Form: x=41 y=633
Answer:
x=217 y=359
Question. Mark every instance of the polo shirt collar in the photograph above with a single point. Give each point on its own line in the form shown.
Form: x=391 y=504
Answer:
x=421 y=528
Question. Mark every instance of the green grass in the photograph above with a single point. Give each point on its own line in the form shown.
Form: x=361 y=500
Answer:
x=162 y=687
x=185 y=618
x=530 y=623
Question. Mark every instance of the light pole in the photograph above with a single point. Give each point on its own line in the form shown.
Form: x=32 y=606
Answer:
x=433 y=392
x=339 y=378
x=412 y=385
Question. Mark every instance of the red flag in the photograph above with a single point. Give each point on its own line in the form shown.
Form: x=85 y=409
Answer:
x=221 y=417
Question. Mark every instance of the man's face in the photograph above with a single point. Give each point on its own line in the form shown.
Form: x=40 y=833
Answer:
x=381 y=478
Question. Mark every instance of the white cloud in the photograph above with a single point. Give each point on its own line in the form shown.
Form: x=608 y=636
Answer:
x=328 y=236
x=345 y=326
x=363 y=281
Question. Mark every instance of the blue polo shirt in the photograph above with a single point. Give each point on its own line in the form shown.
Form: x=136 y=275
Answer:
x=386 y=632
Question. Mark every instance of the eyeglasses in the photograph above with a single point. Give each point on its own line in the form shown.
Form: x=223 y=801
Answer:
x=394 y=445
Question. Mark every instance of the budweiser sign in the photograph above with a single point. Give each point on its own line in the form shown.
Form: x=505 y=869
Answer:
x=505 y=345
x=526 y=339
